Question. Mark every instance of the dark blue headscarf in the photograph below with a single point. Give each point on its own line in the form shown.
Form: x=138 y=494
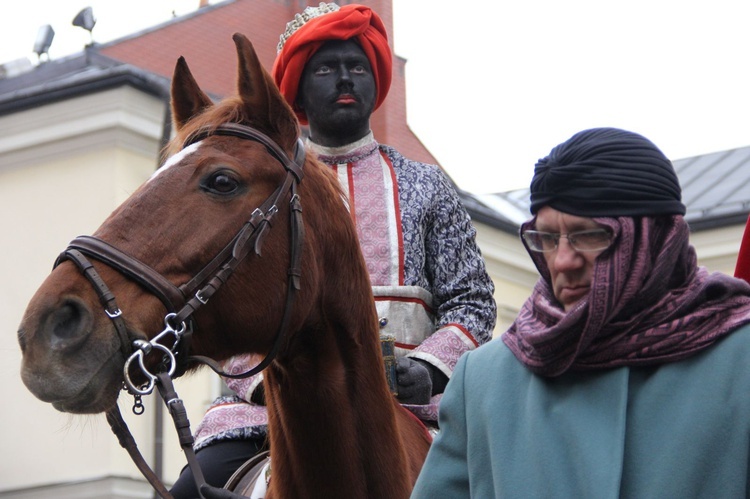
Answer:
x=607 y=172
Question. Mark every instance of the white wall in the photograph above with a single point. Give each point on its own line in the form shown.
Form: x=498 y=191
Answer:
x=717 y=249
x=63 y=168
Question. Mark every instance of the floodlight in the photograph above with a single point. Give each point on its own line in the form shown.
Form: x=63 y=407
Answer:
x=43 y=39
x=85 y=19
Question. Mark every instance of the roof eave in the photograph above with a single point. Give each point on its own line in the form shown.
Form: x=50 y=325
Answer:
x=83 y=84
x=718 y=221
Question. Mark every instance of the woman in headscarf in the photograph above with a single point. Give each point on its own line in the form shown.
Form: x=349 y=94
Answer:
x=625 y=374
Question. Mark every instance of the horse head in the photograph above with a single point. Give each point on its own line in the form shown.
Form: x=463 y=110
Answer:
x=225 y=197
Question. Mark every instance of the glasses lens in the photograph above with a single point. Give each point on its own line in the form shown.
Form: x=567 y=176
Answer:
x=590 y=240
x=540 y=241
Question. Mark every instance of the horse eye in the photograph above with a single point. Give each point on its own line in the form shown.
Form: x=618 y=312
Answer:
x=222 y=183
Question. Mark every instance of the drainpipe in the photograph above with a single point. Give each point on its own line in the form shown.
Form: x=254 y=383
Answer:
x=158 y=442
x=166 y=134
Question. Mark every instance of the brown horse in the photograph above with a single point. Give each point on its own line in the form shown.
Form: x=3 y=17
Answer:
x=335 y=429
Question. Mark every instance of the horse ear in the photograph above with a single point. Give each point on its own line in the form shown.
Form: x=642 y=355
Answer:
x=259 y=92
x=188 y=99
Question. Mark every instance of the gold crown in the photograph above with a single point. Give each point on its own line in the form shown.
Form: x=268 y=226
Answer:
x=300 y=20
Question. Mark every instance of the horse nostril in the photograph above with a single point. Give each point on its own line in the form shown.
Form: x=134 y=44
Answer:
x=68 y=324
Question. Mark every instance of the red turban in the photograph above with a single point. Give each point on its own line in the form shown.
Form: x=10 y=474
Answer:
x=350 y=21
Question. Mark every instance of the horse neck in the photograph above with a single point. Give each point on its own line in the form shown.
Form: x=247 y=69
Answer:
x=332 y=420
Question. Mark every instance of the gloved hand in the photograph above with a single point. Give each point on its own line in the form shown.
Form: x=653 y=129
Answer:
x=413 y=381
x=259 y=395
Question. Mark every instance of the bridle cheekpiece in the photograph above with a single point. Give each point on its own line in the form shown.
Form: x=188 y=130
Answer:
x=181 y=301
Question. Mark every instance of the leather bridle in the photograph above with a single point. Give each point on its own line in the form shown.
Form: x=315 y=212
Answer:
x=181 y=301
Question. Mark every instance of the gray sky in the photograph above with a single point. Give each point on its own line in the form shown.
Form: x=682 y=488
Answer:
x=493 y=85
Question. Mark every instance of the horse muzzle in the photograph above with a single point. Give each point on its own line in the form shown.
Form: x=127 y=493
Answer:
x=68 y=360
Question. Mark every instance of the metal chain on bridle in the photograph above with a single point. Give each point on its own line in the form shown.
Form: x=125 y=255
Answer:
x=182 y=301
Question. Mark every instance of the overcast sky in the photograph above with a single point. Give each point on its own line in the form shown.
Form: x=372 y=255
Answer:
x=493 y=85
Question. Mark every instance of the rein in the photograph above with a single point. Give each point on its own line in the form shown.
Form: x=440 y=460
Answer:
x=182 y=301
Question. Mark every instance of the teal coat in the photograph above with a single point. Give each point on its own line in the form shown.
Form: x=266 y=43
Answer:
x=679 y=430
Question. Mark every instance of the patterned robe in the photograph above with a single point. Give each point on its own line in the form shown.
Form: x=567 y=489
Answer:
x=431 y=288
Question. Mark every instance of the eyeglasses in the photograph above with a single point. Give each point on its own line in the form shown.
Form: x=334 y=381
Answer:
x=583 y=240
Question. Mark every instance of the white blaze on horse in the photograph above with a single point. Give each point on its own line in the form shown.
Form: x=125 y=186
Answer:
x=225 y=222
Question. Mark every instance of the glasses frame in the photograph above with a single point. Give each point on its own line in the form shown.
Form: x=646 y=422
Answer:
x=557 y=236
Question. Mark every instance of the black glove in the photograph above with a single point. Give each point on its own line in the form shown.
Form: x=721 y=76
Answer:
x=259 y=395
x=210 y=492
x=414 y=381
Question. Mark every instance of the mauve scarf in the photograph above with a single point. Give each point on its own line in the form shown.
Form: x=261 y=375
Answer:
x=649 y=304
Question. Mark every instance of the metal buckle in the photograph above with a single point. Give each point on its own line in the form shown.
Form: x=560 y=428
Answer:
x=200 y=298
x=113 y=315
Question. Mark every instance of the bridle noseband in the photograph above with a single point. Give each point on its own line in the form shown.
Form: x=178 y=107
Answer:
x=182 y=301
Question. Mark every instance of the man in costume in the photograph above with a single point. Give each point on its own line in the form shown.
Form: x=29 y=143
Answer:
x=431 y=288
x=625 y=374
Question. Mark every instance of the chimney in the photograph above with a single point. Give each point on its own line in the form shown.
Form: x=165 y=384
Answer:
x=203 y=3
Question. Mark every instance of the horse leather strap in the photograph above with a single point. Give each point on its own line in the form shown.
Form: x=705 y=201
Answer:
x=182 y=425
x=298 y=236
x=293 y=276
x=218 y=270
x=259 y=220
x=169 y=294
x=122 y=432
x=248 y=133
x=224 y=264
x=106 y=297
x=211 y=277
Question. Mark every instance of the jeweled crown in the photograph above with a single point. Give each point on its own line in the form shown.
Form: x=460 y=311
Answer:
x=300 y=20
